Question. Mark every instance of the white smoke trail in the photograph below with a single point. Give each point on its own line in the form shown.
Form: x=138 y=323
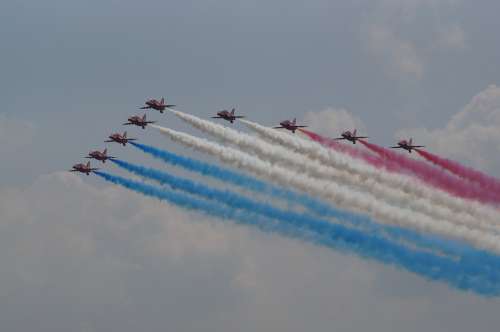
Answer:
x=315 y=169
x=404 y=183
x=330 y=191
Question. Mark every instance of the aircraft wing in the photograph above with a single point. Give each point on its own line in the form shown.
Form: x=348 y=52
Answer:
x=278 y=127
x=417 y=146
x=300 y=126
x=131 y=139
x=216 y=117
x=145 y=107
x=170 y=106
x=151 y=122
x=128 y=123
x=359 y=137
x=109 y=141
x=396 y=147
x=239 y=117
x=339 y=138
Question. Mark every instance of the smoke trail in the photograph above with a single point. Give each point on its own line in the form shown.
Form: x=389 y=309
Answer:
x=390 y=165
x=226 y=175
x=405 y=183
x=235 y=200
x=484 y=180
x=457 y=274
x=371 y=189
x=235 y=178
x=330 y=191
x=369 y=158
x=313 y=205
x=436 y=177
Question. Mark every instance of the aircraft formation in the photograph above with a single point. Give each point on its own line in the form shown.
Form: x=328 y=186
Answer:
x=364 y=198
x=230 y=116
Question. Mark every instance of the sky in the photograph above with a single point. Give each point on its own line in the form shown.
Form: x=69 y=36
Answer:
x=80 y=255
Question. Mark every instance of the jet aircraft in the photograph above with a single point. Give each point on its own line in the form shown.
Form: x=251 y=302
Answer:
x=138 y=121
x=228 y=116
x=83 y=168
x=289 y=125
x=407 y=145
x=98 y=155
x=156 y=105
x=350 y=136
x=120 y=138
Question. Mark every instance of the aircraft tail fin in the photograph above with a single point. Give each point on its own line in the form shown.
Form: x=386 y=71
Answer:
x=294 y=121
x=232 y=111
x=162 y=101
x=124 y=134
x=144 y=117
x=411 y=141
x=354 y=132
x=105 y=151
x=88 y=164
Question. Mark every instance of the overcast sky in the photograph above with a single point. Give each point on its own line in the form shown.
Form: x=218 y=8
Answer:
x=80 y=255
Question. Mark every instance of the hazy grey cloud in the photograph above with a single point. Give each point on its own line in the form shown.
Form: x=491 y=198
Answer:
x=471 y=135
x=333 y=121
x=451 y=36
x=73 y=247
x=400 y=55
x=81 y=257
x=403 y=34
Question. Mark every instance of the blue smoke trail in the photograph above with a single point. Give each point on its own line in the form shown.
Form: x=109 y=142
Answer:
x=334 y=236
x=239 y=201
x=228 y=175
x=312 y=204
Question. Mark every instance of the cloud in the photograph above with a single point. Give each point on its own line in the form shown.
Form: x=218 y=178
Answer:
x=401 y=55
x=80 y=256
x=65 y=243
x=333 y=121
x=75 y=208
x=61 y=219
x=451 y=36
x=403 y=35
x=471 y=135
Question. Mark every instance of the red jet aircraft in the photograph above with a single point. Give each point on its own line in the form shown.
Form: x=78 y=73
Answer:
x=407 y=145
x=98 y=155
x=120 y=139
x=138 y=121
x=228 y=116
x=289 y=125
x=351 y=137
x=83 y=168
x=156 y=105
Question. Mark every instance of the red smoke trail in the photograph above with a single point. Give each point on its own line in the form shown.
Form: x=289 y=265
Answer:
x=371 y=159
x=395 y=162
x=486 y=181
x=436 y=177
